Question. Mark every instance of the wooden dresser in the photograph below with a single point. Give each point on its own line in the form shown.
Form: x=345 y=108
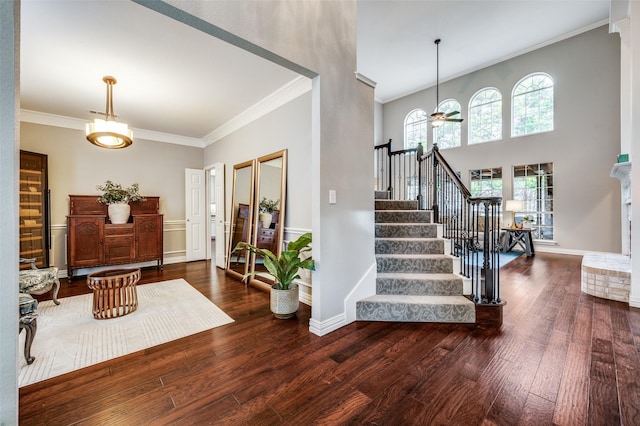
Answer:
x=268 y=237
x=92 y=240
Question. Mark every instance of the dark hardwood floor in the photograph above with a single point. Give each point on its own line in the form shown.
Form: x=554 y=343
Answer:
x=561 y=357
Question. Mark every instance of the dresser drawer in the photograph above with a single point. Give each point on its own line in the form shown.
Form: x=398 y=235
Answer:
x=124 y=229
x=267 y=232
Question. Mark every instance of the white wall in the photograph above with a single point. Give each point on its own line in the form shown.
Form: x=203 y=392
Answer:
x=76 y=167
x=288 y=127
x=9 y=130
x=583 y=147
x=318 y=39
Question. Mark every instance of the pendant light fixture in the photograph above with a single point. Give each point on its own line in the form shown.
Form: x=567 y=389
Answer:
x=439 y=118
x=109 y=133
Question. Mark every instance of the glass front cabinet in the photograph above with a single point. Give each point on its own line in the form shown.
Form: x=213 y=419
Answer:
x=34 y=209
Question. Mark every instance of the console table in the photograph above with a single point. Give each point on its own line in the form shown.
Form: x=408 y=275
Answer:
x=519 y=236
x=92 y=240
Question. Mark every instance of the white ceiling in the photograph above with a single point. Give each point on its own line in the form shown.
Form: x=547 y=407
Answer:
x=171 y=78
x=177 y=80
x=396 y=38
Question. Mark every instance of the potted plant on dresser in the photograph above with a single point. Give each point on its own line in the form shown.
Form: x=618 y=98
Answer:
x=266 y=209
x=284 y=292
x=117 y=199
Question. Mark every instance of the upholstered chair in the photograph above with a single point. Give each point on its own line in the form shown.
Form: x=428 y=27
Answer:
x=39 y=281
x=27 y=308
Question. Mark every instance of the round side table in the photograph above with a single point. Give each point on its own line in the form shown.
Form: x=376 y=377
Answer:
x=114 y=292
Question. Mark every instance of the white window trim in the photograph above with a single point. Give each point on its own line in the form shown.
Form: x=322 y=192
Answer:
x=553 y=122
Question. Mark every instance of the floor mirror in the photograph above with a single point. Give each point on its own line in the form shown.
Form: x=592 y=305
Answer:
x=241 y=222
x=269 y=211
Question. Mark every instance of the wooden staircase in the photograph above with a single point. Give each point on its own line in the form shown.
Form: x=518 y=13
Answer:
x=415 y=279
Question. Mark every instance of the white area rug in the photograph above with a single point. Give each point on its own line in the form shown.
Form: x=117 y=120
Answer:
x=69 y=338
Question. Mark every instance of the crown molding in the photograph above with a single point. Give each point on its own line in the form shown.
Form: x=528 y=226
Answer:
x=285 y=94
x=46 y=119
x=296 y=87
x=366 y=80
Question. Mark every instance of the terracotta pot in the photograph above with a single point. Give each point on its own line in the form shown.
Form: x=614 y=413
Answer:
x=284 y=303
x=119 y=213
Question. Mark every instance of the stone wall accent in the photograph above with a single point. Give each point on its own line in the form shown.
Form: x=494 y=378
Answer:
x=607 y=275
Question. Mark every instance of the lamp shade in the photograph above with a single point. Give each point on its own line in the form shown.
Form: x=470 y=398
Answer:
x=109 y=134
x=513 y=205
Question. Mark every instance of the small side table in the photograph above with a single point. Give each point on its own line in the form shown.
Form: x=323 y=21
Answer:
x=519 y=236
x=114 y=292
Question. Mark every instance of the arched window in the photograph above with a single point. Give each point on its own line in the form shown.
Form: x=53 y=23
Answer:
x=447 y=135
x=485 y=116
x=532 y=105
x=415 y=129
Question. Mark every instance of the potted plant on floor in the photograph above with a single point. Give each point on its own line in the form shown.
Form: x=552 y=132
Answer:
x=117 y=199
x=284 y=292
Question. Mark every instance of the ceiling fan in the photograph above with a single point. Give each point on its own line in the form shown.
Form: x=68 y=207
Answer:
x=439 y=118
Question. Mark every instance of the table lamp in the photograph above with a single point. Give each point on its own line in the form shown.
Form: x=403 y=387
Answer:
x=513 y=206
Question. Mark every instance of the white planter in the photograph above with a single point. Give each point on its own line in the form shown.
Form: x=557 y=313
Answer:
x=284 y=303
x=527 y=225
x=266 y=219
x=119 y=213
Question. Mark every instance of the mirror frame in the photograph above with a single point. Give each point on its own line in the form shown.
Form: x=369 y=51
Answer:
x=232 y=215
x=260 y=281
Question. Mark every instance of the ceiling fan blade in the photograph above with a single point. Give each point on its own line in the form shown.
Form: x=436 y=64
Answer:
x=452 y=113
x=455 y=120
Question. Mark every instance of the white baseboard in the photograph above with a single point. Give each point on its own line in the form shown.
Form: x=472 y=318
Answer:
x=634 y=301
x=320 y=328
x=364 y=288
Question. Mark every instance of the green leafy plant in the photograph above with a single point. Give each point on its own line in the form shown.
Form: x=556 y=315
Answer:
x=528 y=219
x=284 y=268
x=113 y=193
x=268 y=206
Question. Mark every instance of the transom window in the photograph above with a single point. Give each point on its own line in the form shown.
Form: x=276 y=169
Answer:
x=533 y=184
x=415 y=129
x=447 y=135
x=532 y=105
x=486 y=182
x=485 y=116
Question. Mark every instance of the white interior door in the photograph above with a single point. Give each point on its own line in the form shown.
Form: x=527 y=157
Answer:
x=221 y=246
x=196 y=214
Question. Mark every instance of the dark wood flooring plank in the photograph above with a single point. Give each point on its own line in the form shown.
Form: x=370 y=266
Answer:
x=627 y=362
x=536 y=411
x=573 y=395
x=547 y=380
x=262 y=371
x=603 y=390
x=509 y=403
x=484 y=393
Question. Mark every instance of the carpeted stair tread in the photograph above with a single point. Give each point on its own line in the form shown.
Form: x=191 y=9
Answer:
x=406 y=230
x=411 y=308
x=381 y=195
x=419 y=284
x=409 y=245
x=419 y=276
x=418 y=263
x=396 y=205
x=413 y=256
x=402 y=216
